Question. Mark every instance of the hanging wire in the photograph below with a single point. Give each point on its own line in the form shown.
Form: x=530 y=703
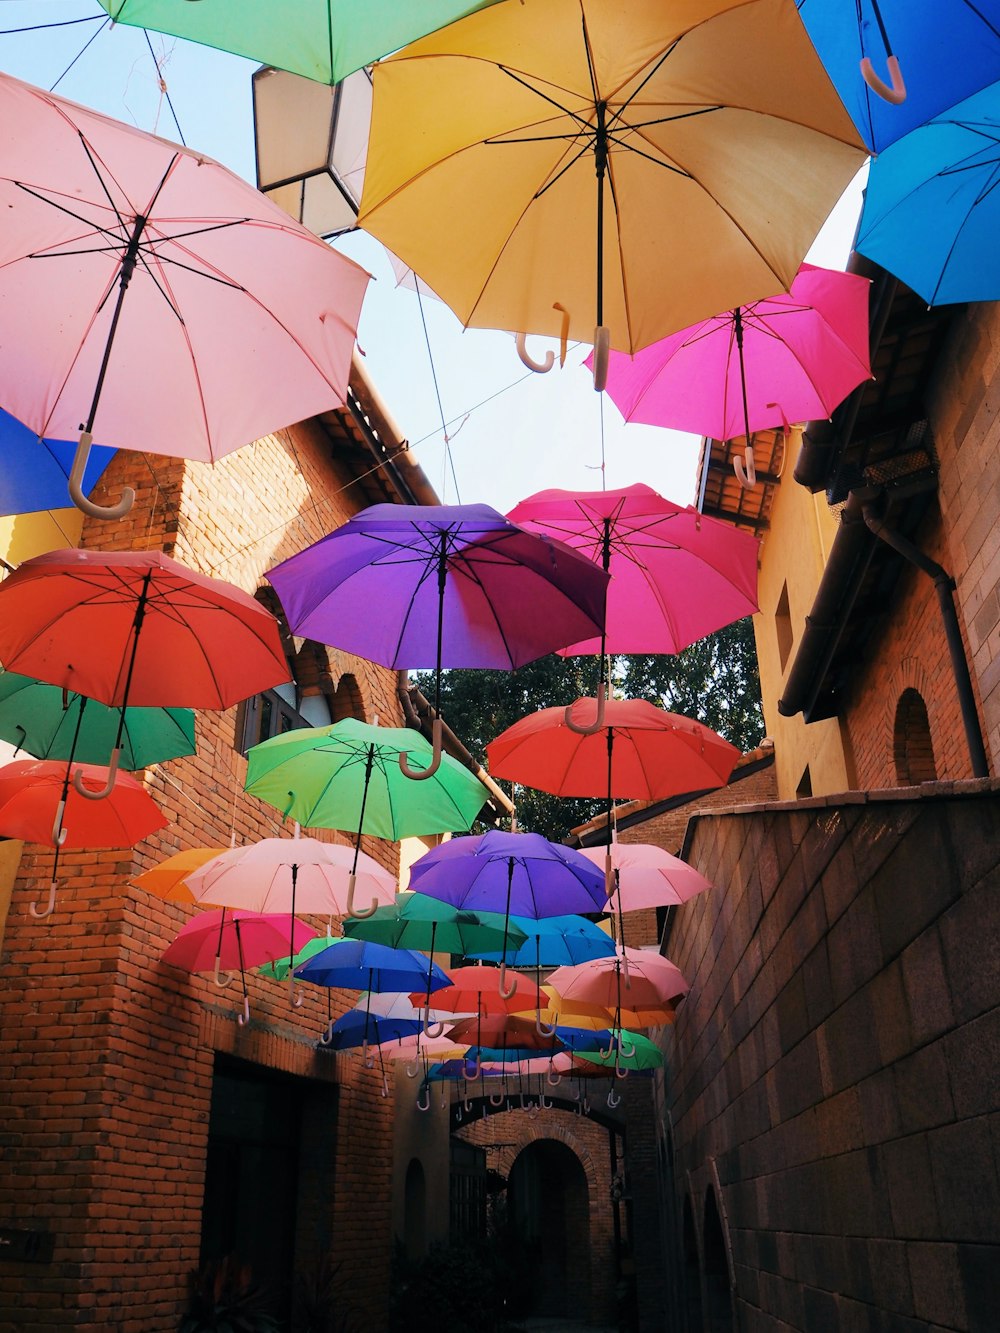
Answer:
x=450 y=461
x=93 y=37
x=63 y=23
x=164 y=90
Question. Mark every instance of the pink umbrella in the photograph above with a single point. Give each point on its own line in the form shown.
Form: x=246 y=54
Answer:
x=648 y=876
x=211 y=941
x=153 y=295
x=790 y=357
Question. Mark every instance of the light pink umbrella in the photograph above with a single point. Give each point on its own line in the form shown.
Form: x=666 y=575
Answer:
x=151 y=294
x=648 y=876
x=790 y=357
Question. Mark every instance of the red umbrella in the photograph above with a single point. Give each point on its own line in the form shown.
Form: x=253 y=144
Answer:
x=210 y=941
x=137 y=628
x=36 y=793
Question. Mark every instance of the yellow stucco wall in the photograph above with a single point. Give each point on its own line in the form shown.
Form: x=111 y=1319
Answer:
x=793 y=556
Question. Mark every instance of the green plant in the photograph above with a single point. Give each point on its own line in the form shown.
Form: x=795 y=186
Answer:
x=321 y=1304
x=225 y=1299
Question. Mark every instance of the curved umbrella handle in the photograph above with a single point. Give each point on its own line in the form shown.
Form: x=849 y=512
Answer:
x=366 y=1055
x=326 y=1036
x=295 y=997
x=505 y=993
x=412 y=1067
x=606 y=1054
x=358 y=913
x=424 y=1098
x=585 y=1104
x=431 y=1030
x=75 y=485
x=496 y=1098
x=745 y=469
x=543 y=1029
x=602 y=346
x=385 y=1087
x=109 y=786
x=49 y=907
x=467 y=1104
x=619 y=1072
x=243 y=1018
x=545 y=1103
x=613 y=1098
x=59 y=834
x=539 y=367
x=895 y=91
x=592 y=728
x=419 y=774
x=552 y=1082
x=626 y=1049
x=221 y=979
x=458 y=1113
x=472 y=1071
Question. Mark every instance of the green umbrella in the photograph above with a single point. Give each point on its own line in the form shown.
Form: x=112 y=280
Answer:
x=322 y=39
x=347 y=777
x=279 y=969
x=49 y=723
x=629 y=1050
x=416 y=921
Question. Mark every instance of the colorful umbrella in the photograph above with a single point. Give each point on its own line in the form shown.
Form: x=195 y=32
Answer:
x=456 y=586
x=168 y=879
x=477 y=990
x=135 y=627
x=361 y=965
x=934 y=53
x=647 y=876
x=348 y=776
x=790 y=357
x=39 y=803
x=417 y=921
x=554 y=941
x=931 y=208
x=323 y=40
x=723 y=144
x=50 y=723
x=213 y=940
x=34 y=473
x=650 y=981
x=675 y=575
x=115 y=243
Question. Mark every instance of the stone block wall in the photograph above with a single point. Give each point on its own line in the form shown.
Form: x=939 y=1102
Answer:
x=106 y=1053
x=832 y=1077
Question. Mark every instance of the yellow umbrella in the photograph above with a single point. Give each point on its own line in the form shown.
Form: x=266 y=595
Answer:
x=715 y=129
x=168 y=880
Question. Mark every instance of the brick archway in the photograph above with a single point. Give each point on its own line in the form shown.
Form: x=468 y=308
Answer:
x=910 y=679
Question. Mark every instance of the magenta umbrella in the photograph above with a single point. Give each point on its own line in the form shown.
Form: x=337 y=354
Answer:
x=790 y=357
x=152 y=295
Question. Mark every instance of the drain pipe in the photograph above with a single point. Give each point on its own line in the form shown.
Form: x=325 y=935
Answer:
x=944 y=585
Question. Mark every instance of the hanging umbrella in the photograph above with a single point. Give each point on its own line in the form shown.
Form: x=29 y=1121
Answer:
x=290 y=875
x=212 y=941
x=348 y=777
x=638 y=1053
x=281 y=967
x=790 y=357
x=519 y=874
x=554 y=941
x=933 y=53
x=635 y=978
x=456 y=586
x=168 y=879
x=477 y=991
x=39 y=803
x=323 y=40
x=675 y=574
x=361 y=965
x=931 y=208
x=34 y=473
x=136 y=272
x=50 y=723
x=358 y=1027
x=135 y=627
x=721 y=141
x=647 y=876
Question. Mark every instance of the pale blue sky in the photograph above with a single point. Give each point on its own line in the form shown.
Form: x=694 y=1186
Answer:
x=540 y=431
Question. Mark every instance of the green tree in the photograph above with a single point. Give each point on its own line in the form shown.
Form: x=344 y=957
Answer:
x=714 y=681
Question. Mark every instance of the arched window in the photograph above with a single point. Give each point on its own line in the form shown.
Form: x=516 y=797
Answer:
x=913 y=751
x=347 y=700
x=303 y=702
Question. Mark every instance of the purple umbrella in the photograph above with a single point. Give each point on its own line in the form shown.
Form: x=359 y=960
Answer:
x=445 y=584
x=515 y=873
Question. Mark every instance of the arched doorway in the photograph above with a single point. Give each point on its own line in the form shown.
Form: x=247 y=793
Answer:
x=548 y=1220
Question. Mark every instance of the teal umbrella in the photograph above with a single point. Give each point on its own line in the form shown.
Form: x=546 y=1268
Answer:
x=324 y=40
x=416 y=921
x=49 y=723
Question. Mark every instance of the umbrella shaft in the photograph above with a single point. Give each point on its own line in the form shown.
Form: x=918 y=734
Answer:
x=600 y=166
x=125 y=277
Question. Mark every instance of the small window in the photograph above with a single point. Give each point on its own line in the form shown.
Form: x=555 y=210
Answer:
x=783 y=626
x=300 y=702
x=913 y=750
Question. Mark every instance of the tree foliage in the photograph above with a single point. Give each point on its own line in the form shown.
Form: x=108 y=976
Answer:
x=714 y=681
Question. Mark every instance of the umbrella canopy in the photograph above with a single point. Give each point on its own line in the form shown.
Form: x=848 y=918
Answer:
x=675 y=575
x=713 y=124
x=652 y=981
x=931 y=208
x=358 y=1027
x=347 y=776
x=235 y=939
x=135 y=627
x=34 y=472
x=281 y=967
x=648 y=876
x=631 y=1051
x=323 y=40
x=31 y=791
x=52 y=724
x=360 y=965
x=173 y=283
x=555 y=941
x=790 y=357
x=476 y=990
x=640 y=752
x=168 y=880
x=944 y=49
x=416 y=921
x=500 y=1033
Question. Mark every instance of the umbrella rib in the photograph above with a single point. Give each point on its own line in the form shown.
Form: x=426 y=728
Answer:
x=116 y=241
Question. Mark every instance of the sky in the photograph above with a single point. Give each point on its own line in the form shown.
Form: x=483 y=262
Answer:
x=511 y=432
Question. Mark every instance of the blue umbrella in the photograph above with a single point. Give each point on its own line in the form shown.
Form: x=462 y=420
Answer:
x=361 y=965
x=555 y=941
x=359 y=1027
x=34 y=473
x=945 y=50
x=932 y=209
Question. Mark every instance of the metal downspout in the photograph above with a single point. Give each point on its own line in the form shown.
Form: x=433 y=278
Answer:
x=944 y=585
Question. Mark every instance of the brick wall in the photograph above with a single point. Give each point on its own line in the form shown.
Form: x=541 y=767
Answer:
x=106 y=1054
x=832 y=1073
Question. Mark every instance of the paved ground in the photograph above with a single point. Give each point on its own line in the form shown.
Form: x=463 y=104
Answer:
x=562 y=1326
